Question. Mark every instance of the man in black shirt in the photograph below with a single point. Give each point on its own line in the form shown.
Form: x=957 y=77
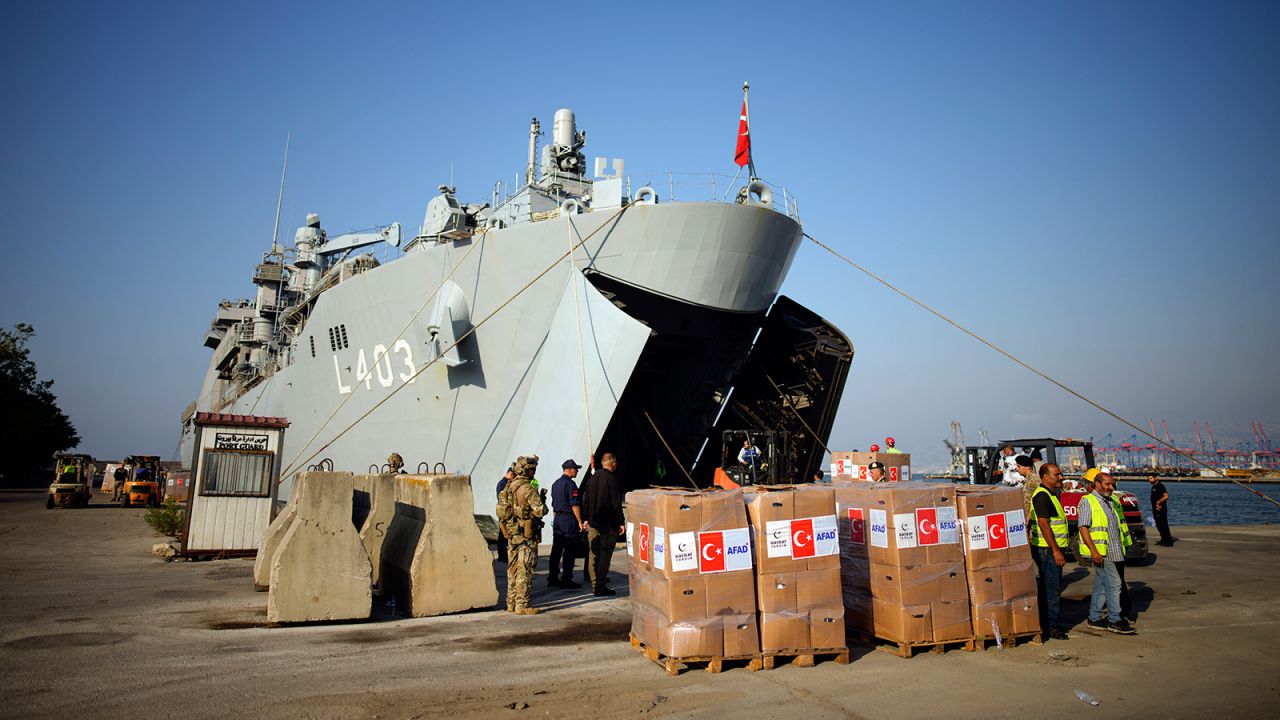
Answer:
x=602 y=514
x=1160 y=509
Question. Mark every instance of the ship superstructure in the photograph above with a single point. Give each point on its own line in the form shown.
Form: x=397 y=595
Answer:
x=573 y=316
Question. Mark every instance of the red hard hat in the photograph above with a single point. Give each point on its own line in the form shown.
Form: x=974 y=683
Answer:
x=875 y=448
x=889 y=440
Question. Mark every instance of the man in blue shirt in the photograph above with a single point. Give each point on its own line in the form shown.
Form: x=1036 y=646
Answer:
x=566 y=527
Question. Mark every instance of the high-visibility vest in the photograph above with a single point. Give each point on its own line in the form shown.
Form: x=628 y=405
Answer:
x=1057 y=525
x=1098 y=530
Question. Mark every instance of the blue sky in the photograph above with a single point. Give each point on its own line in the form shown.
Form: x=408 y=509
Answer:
x=1094 y=186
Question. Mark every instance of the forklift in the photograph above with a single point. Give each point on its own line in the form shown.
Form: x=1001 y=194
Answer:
x=143 y=486
x=72 y=480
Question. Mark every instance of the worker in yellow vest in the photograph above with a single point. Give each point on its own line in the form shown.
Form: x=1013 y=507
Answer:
x=1048 y=523
x=1103 y=539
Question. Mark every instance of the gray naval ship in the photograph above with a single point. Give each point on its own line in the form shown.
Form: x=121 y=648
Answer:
x=568 y=318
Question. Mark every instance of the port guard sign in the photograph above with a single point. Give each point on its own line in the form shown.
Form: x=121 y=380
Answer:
x=239 y=441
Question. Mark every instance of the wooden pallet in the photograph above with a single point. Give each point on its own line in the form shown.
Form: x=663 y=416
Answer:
x=907 y=650
x=982 y=642
x=673 y=666
x=799 y=658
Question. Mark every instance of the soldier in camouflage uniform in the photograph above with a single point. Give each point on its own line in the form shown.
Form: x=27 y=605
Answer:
x=395 y=463
x=521 y=508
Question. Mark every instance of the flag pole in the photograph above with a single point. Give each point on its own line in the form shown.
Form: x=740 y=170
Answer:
x=751 y=162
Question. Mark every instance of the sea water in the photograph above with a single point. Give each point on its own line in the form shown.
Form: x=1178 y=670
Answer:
x=1211 y=503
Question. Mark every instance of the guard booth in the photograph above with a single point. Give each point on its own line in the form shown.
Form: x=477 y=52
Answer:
x=235 y=470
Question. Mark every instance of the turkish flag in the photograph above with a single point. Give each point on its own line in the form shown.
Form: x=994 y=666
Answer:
x=742 y=155
x=644 y=542
x=802 y=539
x=927 y=526
x=711 y=552
x=997 y=537
x=857 y=528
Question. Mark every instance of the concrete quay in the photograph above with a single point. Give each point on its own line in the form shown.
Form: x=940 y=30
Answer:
x=93 y=625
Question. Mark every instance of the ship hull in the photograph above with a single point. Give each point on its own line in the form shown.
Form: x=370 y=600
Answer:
x=362 y=382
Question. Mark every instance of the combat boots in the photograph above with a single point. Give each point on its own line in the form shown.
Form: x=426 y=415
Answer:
x=526 y=611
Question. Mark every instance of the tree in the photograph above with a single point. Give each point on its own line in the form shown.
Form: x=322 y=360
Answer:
x=32 y=427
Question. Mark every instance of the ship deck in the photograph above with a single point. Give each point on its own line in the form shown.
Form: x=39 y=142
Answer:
x=93 y=625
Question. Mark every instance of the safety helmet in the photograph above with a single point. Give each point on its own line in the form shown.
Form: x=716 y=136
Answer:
x=875 y=448
x=888 y=441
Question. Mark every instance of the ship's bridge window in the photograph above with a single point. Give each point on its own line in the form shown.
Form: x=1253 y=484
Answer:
x=237 y=474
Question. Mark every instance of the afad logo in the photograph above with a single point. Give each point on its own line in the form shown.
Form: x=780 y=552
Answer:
x=997 y=536
x=802 y=539
x=644 y=542
x=927 y=526
x=857 y=527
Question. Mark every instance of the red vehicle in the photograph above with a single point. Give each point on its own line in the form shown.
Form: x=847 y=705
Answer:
x=1074 y=457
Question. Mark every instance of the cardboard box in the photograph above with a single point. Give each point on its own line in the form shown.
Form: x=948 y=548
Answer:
x=741 y=636
x=731 y=593
x=764 y=508
x=680 y=598
x=1018 y=580
x=687 y=639
x=992 y=615
x=898 y=623
x=785 y=631
x=986 y=586
x=827 y=628
x=994 y=525
x=1026 y=614
x=951 y=621
x=818 y=588
x=776 y=592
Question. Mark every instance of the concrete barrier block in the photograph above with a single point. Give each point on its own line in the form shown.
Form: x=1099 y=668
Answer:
x=434 y=559
x=270 y=543
x=373 y=506
x=321 y=570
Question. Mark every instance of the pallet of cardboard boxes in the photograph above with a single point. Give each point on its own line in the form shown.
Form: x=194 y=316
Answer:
x=691 y=579
x=1000 y=571
x=701 y=596
x=852 y=465
x=773 y=574
x=797 y=568
x=902 y=565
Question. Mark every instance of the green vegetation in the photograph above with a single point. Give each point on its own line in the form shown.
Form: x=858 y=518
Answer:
x=32 y=427
x=167 y=519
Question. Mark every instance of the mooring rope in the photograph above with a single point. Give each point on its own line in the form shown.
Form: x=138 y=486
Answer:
x=1026 y=365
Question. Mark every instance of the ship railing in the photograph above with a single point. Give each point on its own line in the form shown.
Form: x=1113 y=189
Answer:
x=679 y=186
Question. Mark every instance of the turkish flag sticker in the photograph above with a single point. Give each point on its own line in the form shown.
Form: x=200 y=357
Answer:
x=927 y=526
x=862 y=472
x=711 y=552
x=997 y=538
x=857 y=527
x=644 y=542
x=802 y=539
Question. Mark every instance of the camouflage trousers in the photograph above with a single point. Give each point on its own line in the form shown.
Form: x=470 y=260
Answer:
x=521 y=560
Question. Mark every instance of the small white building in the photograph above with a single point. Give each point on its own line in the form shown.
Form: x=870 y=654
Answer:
x=235 y=470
